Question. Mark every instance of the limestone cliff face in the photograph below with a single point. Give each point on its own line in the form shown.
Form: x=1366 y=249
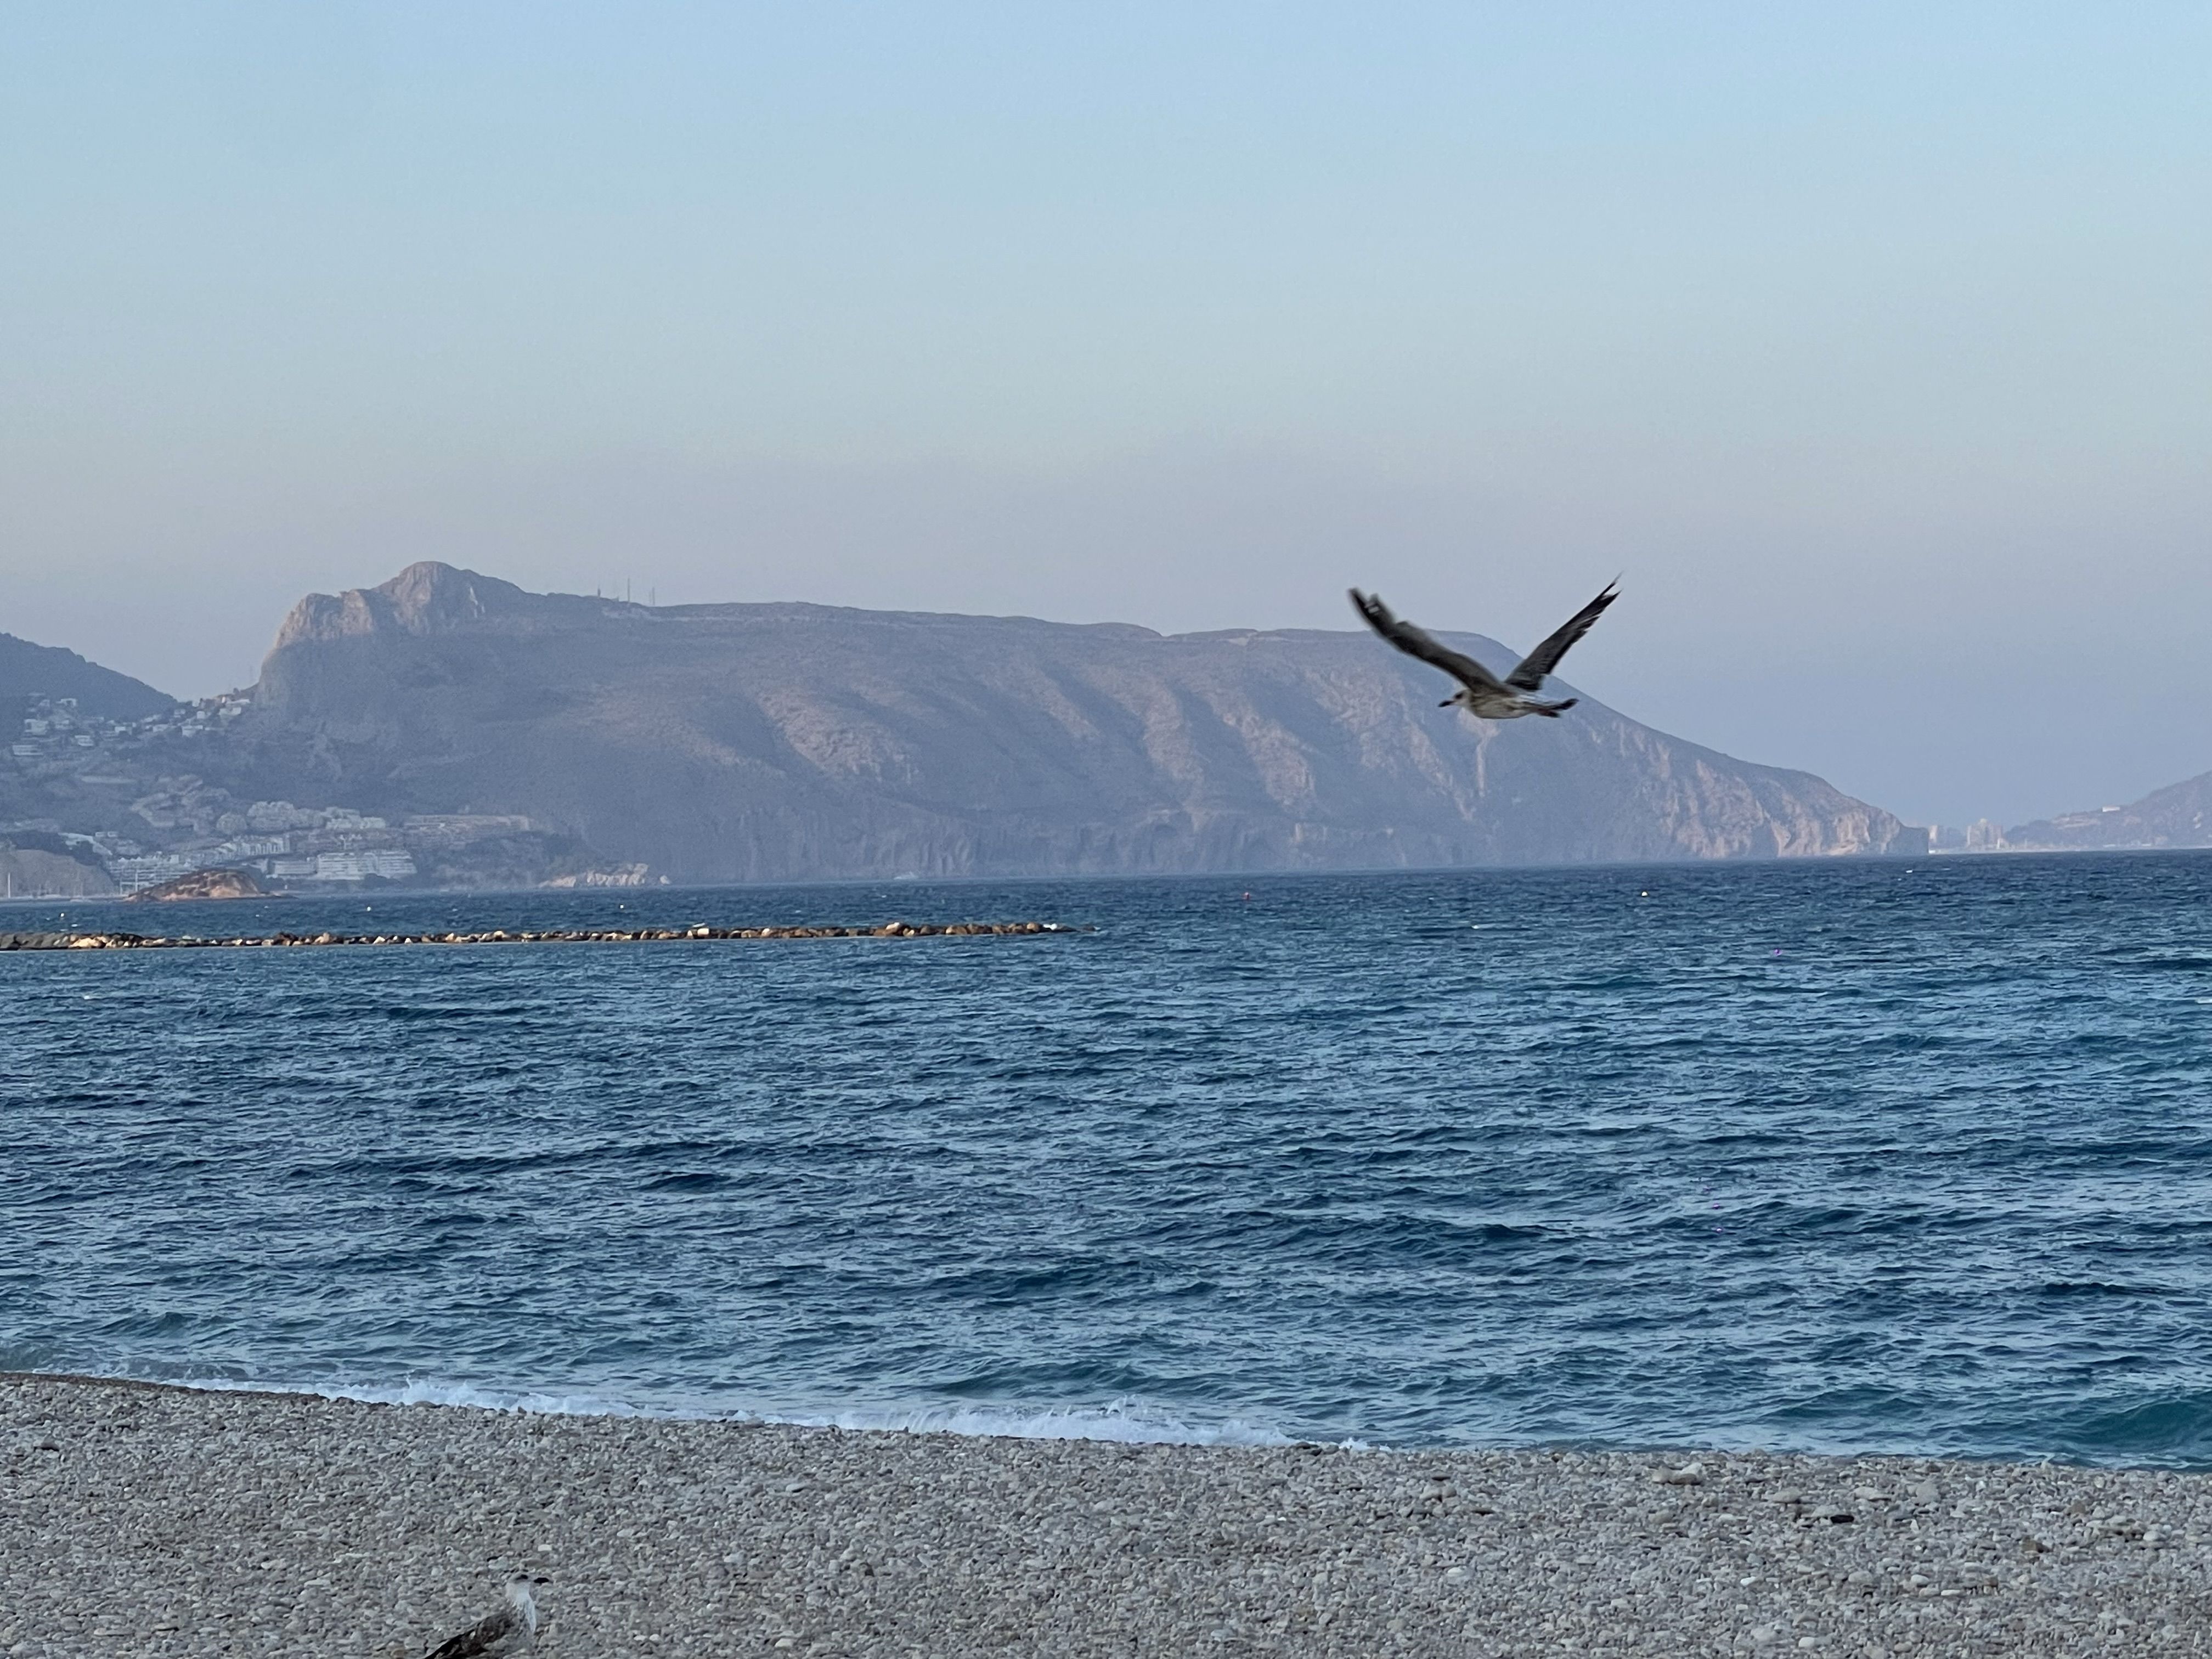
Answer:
x=789 y=741
x=34 y=872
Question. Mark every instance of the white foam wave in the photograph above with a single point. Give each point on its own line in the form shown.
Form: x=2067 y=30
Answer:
x=1126 y=1421
x=1122 y=1421
x=421 y=1391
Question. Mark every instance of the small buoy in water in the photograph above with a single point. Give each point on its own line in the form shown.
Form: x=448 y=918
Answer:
x=1248 y=898
x=1777 y=949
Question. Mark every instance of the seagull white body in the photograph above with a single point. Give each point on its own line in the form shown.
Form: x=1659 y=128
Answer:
x=512 y=1629
x=1481 y=693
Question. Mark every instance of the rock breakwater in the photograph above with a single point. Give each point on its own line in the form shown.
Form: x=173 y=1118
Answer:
x=119 y=941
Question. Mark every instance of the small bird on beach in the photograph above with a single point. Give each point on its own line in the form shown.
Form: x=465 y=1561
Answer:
x=512 y=1629
x=1481 y=693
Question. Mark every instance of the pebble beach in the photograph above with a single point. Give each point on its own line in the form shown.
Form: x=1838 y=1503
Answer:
x=156 y=1521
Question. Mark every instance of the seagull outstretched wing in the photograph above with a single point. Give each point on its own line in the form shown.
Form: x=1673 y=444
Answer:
x=1418 y=642
x=1529 y=673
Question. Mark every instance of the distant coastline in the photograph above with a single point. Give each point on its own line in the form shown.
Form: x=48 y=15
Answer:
x=446 y=731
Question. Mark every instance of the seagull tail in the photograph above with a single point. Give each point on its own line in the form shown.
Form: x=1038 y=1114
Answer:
x=1554 y=710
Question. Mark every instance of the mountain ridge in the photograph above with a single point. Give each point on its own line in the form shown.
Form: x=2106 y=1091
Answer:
x=739 y=741
x=28 y=669
x=2178 y=816
x=450 y=729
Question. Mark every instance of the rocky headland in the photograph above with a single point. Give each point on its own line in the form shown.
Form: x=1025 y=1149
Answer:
x=447 y=729
x=755 y=741
x=218 y=883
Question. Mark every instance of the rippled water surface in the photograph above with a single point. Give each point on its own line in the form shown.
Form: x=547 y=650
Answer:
x=1868 y=1155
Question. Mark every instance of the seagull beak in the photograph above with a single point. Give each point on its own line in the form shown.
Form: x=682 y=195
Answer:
x=1447 y=702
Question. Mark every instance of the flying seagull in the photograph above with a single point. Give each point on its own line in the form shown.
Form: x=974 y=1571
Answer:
x=512 y=1629
x=1481 y=693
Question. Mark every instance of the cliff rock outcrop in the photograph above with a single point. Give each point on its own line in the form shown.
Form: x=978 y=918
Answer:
x=216 y=884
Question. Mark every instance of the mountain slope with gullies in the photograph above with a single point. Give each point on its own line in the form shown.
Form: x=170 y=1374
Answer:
x=2179 y=815
x=754 y=741
x=29 y=671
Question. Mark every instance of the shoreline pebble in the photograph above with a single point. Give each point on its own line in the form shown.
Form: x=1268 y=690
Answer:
x=157 y=1520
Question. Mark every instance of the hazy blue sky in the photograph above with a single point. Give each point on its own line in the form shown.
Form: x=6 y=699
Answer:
x=1871 y=343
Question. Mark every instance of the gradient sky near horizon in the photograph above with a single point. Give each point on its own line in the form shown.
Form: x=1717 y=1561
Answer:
x=1870 y=345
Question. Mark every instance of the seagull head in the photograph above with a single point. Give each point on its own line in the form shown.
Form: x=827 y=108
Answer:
x=520 y=1591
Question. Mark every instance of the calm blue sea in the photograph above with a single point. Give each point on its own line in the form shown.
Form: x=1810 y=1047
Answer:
x=1897 y=1156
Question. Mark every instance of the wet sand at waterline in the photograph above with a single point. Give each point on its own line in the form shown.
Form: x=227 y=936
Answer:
x=154 y=1520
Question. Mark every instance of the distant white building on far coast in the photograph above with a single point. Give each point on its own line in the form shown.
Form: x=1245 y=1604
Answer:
x=467 y=826
x=1980 y=836
x=389 y=863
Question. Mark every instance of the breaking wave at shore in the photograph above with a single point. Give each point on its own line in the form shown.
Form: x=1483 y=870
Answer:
x=1121 y=1422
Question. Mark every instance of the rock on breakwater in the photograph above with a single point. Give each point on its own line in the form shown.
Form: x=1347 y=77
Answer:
x=119 y=941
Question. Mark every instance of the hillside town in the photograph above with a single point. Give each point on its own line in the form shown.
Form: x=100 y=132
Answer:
x=142 y=825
